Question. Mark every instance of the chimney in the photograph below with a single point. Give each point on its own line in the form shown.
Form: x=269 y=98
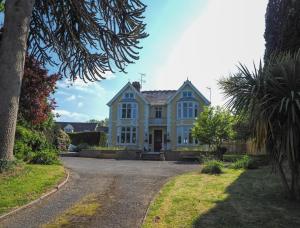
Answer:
x=137 y=86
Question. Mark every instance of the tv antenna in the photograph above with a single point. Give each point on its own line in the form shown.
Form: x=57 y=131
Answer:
x=143 y=75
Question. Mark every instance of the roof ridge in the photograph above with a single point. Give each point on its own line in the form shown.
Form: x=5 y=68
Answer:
x=166 y=90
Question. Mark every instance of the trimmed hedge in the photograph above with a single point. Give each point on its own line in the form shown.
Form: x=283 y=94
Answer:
x=90 y=138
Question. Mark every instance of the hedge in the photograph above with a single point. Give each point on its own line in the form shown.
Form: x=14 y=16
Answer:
x=90 y=138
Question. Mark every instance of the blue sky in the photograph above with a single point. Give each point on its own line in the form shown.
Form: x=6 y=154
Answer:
x=199 y=39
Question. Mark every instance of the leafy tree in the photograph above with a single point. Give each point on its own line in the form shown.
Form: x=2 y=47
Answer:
x=270 y=96
x=86 y=38
x=282 y=32
x=214 y=126
x=100 y=122
x=35 y=104
x=1 y=6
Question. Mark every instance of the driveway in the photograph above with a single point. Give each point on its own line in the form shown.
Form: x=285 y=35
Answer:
x=125 y=189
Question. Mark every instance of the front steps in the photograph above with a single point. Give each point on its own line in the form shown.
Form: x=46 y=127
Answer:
x=156 y=156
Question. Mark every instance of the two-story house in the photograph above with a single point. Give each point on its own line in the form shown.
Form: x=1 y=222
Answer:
x=154 y=120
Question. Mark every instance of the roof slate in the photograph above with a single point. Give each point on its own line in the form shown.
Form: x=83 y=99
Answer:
x=158 y=97
x=81 y=127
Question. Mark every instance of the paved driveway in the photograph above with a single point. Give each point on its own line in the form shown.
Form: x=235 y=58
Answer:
x=125 y=189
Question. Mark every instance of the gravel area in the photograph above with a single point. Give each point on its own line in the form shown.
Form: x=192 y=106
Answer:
x=125 y=189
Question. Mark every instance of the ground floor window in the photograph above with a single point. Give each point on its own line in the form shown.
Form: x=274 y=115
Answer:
x=126 y=135
x=184 y=136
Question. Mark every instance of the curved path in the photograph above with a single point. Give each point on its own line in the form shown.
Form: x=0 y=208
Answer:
x=125 y=189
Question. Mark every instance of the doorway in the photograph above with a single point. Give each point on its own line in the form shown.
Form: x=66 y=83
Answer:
x=157 y=140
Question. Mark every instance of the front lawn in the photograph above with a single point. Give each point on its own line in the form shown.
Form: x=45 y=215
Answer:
x=236 y=198
x=26 y=183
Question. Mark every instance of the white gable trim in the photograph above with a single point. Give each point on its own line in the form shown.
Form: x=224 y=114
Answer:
x=128 y=85
x=187 y=82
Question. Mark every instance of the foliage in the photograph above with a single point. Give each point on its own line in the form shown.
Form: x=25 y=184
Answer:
x=245 y=162
x=212 y=167
x=271 y=98
x=6 y=165
x=102 y=123
x=282 y=32
x=62 y=140
x=90 y=138
x=214 y=126
x=35 y=105
x=232 y=157
x=107 y=35
x=26 y=183
x=31 y=146
x=1 y=6
x=242 y=129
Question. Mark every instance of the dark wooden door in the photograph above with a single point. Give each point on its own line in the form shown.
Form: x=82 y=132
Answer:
x=157 y=140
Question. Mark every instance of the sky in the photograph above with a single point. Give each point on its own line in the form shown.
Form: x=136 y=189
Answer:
x=202 y=40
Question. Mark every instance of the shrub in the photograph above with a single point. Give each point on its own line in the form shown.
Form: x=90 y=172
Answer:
x=62 y=140
x=91 y=138
x=245 y=163
x=212 y=167
x=31 y=146
x=232 y=157
x=45 y=157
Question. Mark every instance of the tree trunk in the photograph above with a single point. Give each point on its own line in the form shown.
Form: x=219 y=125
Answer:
x=284 y=180
x=12 y=58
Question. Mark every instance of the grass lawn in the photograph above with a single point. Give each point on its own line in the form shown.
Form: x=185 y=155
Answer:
x=26 y=183
x=236 y=198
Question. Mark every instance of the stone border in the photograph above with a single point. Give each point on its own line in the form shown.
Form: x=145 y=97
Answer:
x=59 y=186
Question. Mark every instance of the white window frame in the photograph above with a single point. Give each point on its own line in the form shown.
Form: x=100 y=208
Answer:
x=185 y=135
x=187 y=93
x=130 y=131
x=128 y=95
x=187 y=110
x=133 y=110
x=158 y=112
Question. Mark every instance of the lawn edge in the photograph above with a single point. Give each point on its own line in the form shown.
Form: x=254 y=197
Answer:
x=157 y=193
x=47 y=194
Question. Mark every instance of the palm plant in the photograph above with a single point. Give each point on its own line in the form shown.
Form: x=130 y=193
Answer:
x=270 y=96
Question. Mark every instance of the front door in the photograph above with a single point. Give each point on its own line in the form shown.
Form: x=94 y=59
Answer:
x=157 y=140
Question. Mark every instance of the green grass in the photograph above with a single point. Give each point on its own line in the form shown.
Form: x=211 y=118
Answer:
x=26 y=183
x=236 y=198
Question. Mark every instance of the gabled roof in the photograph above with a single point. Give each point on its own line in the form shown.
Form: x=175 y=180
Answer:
x=158 y=97
x=187 y=82
x=128 y=85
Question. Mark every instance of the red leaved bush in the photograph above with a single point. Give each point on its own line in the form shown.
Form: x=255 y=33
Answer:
x=35 y=103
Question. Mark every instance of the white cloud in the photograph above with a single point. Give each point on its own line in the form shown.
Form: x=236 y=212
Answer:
x=80 y=104
x=65 y=115
x=71 y=98
x=227 y=32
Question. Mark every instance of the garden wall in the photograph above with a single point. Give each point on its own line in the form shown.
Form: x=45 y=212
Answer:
x=90 y=138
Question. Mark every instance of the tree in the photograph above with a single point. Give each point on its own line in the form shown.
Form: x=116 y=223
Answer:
x=214 y=126
x=100 y=122
x=282 y=32
x=86 y=38
x=35 y=104
x=270 y=96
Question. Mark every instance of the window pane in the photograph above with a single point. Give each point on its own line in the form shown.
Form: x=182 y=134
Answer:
x=190 y=137
x=128 y=137
x=150 y=138
x=133 y=137
x=128 y=111
x=123 y=137
x=179 y=139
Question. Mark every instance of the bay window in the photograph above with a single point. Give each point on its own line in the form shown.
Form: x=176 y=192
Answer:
x=185 y=137
x=187 y=110
x=126 y=135
x=128 y=110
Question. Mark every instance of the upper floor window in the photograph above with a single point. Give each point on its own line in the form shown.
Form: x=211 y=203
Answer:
x=187 y=94
x=187 y=110
x=128 y=111
x=158 y=112
x=128 y=95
